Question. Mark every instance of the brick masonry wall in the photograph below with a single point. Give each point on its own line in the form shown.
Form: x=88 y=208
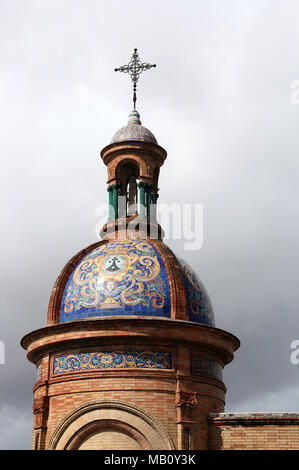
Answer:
x=254 y=431
x=110 y=440
x=164 y=394
x=158 y=404
x=153 y=394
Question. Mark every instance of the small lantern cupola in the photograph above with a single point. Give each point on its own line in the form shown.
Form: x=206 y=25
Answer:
x=133 y=160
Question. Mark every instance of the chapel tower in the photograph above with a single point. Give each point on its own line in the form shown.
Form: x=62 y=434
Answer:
x=130 y=357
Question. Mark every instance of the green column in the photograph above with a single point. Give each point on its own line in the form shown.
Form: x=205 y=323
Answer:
x=141 y=187
x=115 y=200
x=110 y=207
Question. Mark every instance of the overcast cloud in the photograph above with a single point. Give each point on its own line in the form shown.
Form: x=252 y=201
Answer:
x=219 y=102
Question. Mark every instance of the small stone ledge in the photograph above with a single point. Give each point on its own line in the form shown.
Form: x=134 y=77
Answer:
x=254 y=419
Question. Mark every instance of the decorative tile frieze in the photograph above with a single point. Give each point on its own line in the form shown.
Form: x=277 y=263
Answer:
x=206 y=366
x=125 y=359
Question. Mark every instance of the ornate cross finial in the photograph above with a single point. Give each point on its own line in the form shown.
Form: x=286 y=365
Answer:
x=134 y=69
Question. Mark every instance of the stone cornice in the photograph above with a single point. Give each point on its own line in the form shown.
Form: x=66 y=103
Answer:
x=126 y=329
x=254 y=419
x=136 y=147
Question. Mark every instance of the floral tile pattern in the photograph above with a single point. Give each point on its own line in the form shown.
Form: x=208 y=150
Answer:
x=200 y=308
x=206 y=366
x=122 y=277
x=130 y=358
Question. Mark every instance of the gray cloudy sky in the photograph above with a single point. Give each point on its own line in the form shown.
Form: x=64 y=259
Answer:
x=219 y=102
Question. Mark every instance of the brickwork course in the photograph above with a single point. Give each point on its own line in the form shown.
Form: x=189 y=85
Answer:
x=130 y=357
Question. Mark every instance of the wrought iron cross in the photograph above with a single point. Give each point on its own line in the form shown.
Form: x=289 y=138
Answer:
x=134 y=68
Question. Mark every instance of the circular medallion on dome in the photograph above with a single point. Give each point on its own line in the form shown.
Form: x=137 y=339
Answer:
x=115 y=264
x=122 y=277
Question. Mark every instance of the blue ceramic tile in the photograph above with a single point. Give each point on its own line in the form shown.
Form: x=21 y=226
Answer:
x=122 y=277
x=206 y=366
x=112 y=360
x=200 y=308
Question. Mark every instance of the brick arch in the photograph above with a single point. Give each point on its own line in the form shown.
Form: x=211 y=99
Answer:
x=123 y=162
x=113 y=168
x=90 y=429
x=137 y=423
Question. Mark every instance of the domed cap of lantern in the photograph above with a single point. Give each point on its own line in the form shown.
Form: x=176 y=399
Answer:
x=134 y=131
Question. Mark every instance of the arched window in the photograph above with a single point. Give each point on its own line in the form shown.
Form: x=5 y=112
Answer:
x=128 y=175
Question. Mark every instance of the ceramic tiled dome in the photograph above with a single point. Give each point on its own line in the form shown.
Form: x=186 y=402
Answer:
x=134 y=131
x=200 y=308
x=130 y=277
